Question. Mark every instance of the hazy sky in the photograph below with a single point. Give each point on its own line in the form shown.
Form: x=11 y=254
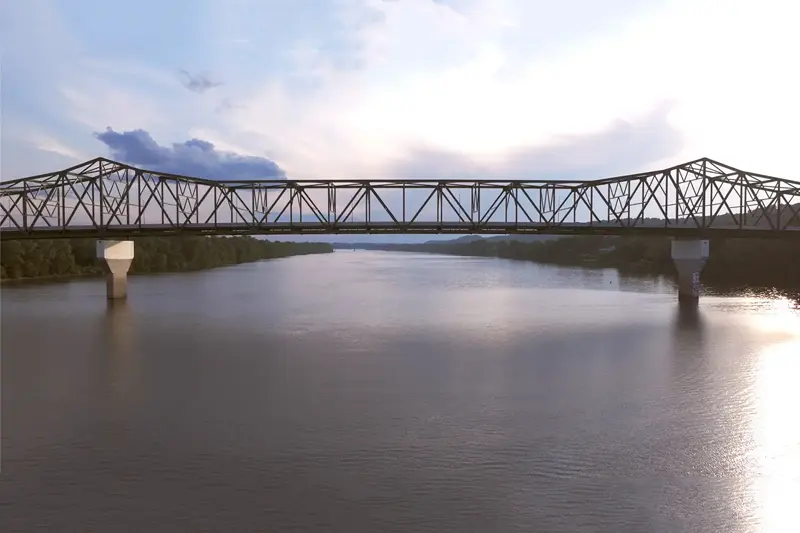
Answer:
x=400 y=88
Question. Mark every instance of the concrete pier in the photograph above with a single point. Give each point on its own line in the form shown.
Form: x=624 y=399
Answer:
x=690 y=257
x=117 y=256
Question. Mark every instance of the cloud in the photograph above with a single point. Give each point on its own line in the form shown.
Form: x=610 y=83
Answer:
x=228 y=105
x=31 y=158
x=623 y=147
x=198 y=83
x=195 y=157
x=368 y=88
x=647 y=142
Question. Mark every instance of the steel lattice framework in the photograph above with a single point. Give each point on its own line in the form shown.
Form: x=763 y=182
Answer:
x=106 y=199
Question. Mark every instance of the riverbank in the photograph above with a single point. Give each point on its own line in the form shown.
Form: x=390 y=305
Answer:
x=758 y=264
x=66 y=259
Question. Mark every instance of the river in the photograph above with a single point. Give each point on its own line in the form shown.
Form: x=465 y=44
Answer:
x=379 y=392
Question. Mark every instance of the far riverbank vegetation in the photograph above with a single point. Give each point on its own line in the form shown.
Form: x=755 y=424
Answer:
x=757 y=263
x=65 y=258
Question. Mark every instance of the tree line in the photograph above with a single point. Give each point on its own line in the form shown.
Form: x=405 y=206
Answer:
x=42 y=258
x=732 y=262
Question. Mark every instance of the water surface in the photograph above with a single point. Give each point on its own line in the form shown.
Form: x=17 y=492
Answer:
x=374 y=391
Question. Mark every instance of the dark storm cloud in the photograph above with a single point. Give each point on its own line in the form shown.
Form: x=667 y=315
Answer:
x=195 y=157
x=198 y=83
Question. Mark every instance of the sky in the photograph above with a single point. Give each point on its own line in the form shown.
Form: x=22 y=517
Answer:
x=399 y=88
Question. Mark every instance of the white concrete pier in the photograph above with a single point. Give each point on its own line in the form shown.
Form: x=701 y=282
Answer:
x=690 y=256
x=117 y=256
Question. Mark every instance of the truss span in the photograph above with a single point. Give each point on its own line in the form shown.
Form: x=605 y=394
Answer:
x=106 y=199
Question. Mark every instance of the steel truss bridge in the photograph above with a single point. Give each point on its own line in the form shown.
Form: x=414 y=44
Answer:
x=106 y=199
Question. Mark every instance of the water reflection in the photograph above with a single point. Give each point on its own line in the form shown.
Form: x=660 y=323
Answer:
x=688 y=318
x=688 y=328
x=394 y=392
x=121 y=358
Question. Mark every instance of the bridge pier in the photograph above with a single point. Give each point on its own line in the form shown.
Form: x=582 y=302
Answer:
x=117 y=256
x=690 y=256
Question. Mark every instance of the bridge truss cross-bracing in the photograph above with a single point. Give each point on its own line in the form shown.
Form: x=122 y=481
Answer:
x=109 y=200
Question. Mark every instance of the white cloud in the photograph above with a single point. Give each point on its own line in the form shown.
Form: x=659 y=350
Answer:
x=690 y=53
x=488 y=78
x=49 y=144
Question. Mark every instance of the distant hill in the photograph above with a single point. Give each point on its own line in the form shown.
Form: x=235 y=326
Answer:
x=525 y=238
x=466 y=239
x=497 y=238
x=459 y=240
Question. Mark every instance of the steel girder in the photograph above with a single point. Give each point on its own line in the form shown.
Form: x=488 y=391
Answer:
x=106 y=199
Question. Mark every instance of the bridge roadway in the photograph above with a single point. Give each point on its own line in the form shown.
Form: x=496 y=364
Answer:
x=114 y=202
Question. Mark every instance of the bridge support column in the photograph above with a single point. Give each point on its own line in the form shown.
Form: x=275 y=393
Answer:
x=117 y=256
x=690 y=256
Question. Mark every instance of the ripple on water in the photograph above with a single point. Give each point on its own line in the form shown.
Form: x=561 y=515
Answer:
x=396 y=392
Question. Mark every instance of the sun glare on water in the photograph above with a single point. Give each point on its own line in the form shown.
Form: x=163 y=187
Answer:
x=776 y=433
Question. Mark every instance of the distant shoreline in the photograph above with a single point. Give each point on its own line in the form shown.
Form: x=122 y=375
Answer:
x=54 y=261
x=735 y=264
x=65 y=278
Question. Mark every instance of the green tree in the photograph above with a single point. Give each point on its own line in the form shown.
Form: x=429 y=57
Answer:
x=12 y=258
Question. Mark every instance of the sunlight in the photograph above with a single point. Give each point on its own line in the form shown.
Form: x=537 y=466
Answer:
x=775 y=430
x=779 y=320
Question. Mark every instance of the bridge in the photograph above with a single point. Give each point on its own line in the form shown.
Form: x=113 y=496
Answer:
x=114 y=202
